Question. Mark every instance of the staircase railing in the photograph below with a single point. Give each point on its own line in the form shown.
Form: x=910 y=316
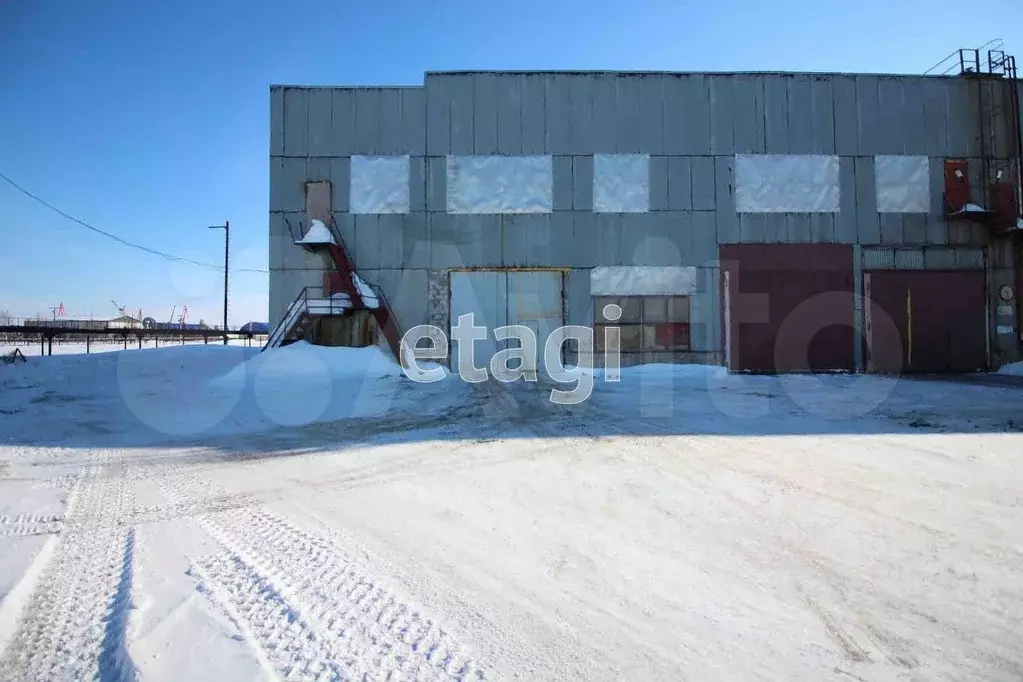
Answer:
x=311 y=300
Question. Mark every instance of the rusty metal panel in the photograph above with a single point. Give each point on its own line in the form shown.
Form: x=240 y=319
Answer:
x=927 y=321
x=790 y=307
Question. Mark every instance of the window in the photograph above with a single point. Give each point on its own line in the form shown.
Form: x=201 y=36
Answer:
x=902 y=184
x=379 y=184
x=500 y=184
x=621 y=183
x=778 y=183
x=647 y=323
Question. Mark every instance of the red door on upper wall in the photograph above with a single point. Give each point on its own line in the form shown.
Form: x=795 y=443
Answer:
x=925 y=321
x=787 y=307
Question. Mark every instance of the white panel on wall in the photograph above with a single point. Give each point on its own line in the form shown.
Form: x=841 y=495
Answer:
x=621 y=183
x=646 y=280
x=903 y=184
x=379 y=184
x=780 y=183
x=500 y=184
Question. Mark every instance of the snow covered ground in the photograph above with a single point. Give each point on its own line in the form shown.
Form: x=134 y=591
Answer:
x=105 y=345
x=215 y=513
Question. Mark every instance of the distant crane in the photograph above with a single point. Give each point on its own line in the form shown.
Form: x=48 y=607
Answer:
x=58 y=311
x=173 y=310
x=120 y=308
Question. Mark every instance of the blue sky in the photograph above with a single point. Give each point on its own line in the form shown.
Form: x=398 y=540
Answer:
x=150 y=120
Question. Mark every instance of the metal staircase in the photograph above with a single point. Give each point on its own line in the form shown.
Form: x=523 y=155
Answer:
x=343 y=292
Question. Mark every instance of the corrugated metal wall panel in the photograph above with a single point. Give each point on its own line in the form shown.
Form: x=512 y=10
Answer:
x=846 y=220
x=484 y=113
x=939 y=259
x=800 y=116
x=582 y=179
x=534 y=113
x=629 y=137
x=935 y=112
x=889 y=118
x=847 y=127
x=658 y=183
x=909 y=259
x=367 y=122
x=391 y=129
x=557 y=122
x=460 y=101
x=510 y=114
x=563 y=183
x=580 y=117
x=969 y=258
x=878 y=259
x=680 y=188
x=722 y=114
x=748 y=135
x=726 y=219
x=296 y=122
x=605 y=111
x=867 y=106
x=822 y=115
x=651 y=121
x=413 y=122
x=276 y=121
x=703 y=181
x=776 y=125
x=438 y=115
x=913 y=123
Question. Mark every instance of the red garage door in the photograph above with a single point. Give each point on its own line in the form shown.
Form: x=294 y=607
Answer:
x=940 y=320
x=788 y=307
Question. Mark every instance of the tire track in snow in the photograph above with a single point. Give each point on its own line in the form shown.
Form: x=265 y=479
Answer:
x=308 y=611
x=30 y=524
x=72 y=626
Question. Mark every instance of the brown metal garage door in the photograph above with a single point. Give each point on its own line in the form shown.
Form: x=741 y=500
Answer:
x=788 y=307
x=940 y=320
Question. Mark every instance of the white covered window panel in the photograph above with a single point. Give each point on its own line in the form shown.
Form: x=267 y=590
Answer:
x=499 y=184
x=379 y=184
x=903 y=184
x=647 y=280
x=621 y=183
x=780 y=183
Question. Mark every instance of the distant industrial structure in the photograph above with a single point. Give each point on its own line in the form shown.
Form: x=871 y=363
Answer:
x=764 y=221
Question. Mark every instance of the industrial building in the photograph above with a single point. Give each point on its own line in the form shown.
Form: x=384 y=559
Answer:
x=764 y=221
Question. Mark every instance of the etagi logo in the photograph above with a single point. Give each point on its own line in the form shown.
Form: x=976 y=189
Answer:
x=514 y=363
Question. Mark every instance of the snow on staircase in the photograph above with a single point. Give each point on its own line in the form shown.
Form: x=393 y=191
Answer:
x=355 y=294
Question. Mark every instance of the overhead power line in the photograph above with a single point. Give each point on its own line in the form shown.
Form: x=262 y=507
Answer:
x=140 y=247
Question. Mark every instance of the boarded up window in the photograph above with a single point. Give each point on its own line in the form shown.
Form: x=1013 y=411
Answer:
x=778 y=183
x=621 y=183
x=379 y=184
x=499 y=184
x=647 y=323
x=902 y=184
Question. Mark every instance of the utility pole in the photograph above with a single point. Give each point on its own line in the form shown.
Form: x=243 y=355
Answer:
x=226 y=227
